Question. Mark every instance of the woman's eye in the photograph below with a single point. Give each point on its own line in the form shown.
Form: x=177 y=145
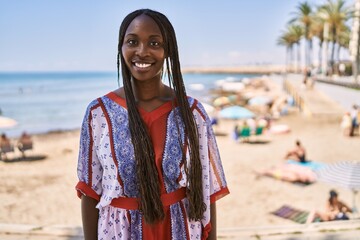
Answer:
x=131 y=42
x=154 y=43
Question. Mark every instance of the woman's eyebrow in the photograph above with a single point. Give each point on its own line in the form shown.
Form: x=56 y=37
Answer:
x=131 y=35
x=135 y=35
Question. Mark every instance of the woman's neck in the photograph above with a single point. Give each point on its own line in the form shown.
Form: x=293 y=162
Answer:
x=148 y=91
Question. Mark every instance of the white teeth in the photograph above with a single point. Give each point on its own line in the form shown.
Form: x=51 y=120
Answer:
x=142 y=65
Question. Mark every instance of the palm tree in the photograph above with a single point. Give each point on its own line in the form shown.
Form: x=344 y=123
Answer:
x=290 y=37
x=335 y=13
x=303 y=16
x=343 y=39
x=285 y=40
x=317 y=30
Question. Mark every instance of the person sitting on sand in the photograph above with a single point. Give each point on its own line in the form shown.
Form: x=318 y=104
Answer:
x=25 y=143
x=335 y=210
x=298 y=153
x=5 y=146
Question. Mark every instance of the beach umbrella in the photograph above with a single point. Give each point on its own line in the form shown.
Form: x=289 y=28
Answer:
x=259 y=100
x=221 y=101
x=233 y=86
x=345 y=174
x=6 y=122
x=236 y=112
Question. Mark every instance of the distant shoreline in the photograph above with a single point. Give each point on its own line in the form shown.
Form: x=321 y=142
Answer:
x=251 y=69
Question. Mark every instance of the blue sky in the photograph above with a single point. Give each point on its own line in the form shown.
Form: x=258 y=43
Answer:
x=81 y=35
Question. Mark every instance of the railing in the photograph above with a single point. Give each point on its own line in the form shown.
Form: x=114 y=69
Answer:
x=338 y=83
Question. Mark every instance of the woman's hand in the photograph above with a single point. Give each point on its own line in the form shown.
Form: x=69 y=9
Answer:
x=90 y=215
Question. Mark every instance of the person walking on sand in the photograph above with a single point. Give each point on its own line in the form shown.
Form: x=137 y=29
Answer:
x=149 y=167
x=298 y=153
x=354 y=123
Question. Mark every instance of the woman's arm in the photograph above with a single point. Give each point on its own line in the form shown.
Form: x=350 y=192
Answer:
x=212 y=234
x=345 y=208
x=90 y=215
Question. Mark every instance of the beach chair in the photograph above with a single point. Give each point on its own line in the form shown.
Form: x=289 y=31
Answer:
x=258 y=131
x=24 y=147
x=4 y=149
x=245 y=134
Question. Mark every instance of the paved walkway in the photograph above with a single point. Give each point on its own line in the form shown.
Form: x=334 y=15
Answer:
x=342 y=230
x=312 y=102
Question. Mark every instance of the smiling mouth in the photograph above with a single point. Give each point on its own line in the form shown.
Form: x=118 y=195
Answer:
x=142 y=65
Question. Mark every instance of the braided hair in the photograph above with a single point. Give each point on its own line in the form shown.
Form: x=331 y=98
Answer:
x=150 y=201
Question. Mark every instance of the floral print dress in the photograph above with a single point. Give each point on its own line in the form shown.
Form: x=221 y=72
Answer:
x=107 y=171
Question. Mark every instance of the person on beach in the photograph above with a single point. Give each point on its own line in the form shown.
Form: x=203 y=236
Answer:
x=5 y=146
x=354 y=123
x=335 y=210
x=149 y=166
x=298 y=153
x=25 y=143
x=345 y=124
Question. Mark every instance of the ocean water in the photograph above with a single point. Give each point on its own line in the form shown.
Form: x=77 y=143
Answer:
x=43 y=102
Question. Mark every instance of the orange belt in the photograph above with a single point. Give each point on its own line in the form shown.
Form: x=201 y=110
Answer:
x=167 y=199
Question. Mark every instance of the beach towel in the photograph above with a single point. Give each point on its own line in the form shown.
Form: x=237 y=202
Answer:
x=310 y=164
x=293 y=214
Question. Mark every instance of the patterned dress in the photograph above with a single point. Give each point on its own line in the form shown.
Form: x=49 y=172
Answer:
x=106 y=170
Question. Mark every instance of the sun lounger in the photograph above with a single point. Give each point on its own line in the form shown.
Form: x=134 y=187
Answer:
x=258 y=131
x=245 y=134
x=24 y=147
x=6 y=149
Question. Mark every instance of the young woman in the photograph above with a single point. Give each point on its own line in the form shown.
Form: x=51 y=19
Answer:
x=149 y=167
x=335 y=210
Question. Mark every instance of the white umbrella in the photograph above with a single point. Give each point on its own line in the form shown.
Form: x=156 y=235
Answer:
x=7 y=122
x=259 y=100
x=344 y=174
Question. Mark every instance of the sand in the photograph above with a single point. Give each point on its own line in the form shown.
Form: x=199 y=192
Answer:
x=41 y=191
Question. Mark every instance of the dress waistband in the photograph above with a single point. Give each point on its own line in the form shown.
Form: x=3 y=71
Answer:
x=167 y=199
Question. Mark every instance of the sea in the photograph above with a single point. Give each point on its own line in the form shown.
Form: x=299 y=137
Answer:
x=46 y=102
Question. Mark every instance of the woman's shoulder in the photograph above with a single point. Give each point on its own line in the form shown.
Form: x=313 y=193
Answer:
x=93 y=104
x=113 y=97
x=197 y=107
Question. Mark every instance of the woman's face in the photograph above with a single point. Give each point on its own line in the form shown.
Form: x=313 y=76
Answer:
x=143 y=49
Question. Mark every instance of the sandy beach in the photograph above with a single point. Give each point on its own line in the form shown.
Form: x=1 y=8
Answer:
x=40 y=190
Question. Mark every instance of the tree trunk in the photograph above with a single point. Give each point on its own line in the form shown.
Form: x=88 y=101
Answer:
x=320 y=52
x=286 y=60
x=298 y=58
x=293 y=66
x=333 y=50
x=310 y=52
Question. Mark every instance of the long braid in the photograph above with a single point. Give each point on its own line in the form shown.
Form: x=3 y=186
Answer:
x=195 y=193
x=151 y=204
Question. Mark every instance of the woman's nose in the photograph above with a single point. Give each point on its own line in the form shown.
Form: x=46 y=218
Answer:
x=142 y=50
